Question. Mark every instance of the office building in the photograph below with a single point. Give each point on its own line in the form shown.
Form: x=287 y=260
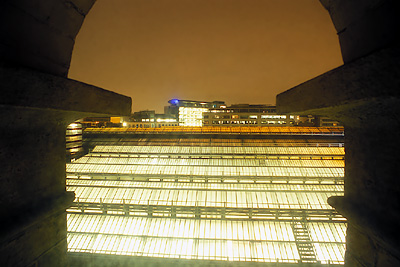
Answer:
x=247 y=115
x=189 y=112
x=151 y=119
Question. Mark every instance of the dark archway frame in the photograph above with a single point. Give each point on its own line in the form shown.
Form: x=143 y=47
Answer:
x=37 y=102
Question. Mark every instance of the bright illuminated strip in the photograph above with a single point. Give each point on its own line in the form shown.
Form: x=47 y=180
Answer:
x=205 y=170
x=219 y=129
x=117 y=159
x=325 y=232
x=189 y=116
x=73 y=132
x=221 y=150
x=207 y=186
x=330 y=253
x=207 y=239
x=234 y=199
x=181 y=228
x=223 y=250
x=230 y=142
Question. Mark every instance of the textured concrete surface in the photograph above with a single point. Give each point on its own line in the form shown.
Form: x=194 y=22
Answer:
x=368 y=108
x=364 y=95
x=26 y=248
x=372 y=77
x=364 y=26
x=27 y=88
x=32 y=191
x=37 y=103
x=41 y=34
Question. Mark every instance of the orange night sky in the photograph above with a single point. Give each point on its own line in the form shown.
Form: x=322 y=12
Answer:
x=237 y=51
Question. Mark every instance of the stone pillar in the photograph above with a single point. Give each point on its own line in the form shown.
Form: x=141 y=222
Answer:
x=36 y=109
x=364 y=96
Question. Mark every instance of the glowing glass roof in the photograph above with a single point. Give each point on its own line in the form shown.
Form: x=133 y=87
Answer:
x=235 y=203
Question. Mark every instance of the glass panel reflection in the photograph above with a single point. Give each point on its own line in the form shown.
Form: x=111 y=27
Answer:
x=229 y=203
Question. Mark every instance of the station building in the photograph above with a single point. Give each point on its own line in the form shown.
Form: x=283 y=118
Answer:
x=208 y=196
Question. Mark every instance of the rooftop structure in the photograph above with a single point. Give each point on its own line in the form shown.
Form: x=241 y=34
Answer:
x=196 y=104
x=209 y=197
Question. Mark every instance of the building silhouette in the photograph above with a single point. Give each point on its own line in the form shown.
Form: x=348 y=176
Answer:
x=247 y=115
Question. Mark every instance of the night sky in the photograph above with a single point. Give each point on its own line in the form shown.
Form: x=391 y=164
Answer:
x=237 y=51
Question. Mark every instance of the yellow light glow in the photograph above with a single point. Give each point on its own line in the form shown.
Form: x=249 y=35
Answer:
x=161 y=201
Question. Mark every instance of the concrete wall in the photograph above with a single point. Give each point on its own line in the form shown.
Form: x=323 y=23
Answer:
x=364 y=26
x=41 y=34
x=37 y=103
x=364 y=95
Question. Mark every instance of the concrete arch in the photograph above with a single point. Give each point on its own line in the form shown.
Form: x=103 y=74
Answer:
x=37 y=102
x=363 y=94
x=41 y=34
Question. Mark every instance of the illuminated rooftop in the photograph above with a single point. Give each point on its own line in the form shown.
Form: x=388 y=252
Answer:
x=235 y=202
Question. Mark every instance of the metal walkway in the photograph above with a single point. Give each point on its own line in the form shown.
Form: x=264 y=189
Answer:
x=303 y=242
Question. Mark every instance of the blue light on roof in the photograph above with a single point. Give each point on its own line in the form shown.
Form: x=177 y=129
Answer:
x=175 y=101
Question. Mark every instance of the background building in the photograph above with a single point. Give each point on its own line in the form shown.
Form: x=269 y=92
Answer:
x=103 y=121
x=73 y=140
x=216 y=113
x=247 y=115
x=189 y=112
x=150 y=119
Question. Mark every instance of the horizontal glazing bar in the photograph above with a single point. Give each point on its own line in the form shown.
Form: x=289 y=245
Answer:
x=196 y=179
x=117 y=159
x=213 y=171
x=74 y=181
x=339 y=131
x=193 y=142
x=221 y=150
x=234 y=199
